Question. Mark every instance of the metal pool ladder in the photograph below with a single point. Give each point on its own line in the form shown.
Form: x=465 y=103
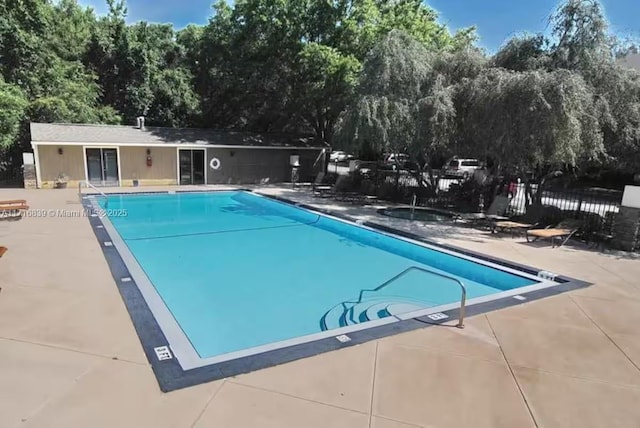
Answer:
x=91 y=186
x=463 y=297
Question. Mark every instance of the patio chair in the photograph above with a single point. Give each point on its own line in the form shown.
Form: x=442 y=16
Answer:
x=601 y=237
x=495 y=212
x=342 y=189
x=561 y=233
x=317 y=188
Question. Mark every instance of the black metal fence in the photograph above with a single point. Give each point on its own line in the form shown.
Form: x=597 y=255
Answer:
x=597 y=207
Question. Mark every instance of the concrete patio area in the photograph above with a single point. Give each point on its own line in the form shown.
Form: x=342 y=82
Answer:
x=70 y=357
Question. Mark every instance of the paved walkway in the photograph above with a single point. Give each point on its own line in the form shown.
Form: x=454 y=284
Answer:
x=69 y=356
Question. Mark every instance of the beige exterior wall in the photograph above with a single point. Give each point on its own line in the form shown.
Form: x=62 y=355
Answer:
x=133 y=164
x=238 y=166
x=69 y=163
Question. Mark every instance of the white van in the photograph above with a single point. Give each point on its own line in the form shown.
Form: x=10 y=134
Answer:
x=461 y=168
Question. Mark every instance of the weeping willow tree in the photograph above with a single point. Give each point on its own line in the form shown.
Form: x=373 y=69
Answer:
x=523 y=53
x=540 y=104
x=531 y=119
x=536 y=120
x=382 y=117
x=402 y=106
x=580 y=36
x=618 y=95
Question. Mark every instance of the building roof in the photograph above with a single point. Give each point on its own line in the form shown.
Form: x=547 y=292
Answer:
x=84 y=134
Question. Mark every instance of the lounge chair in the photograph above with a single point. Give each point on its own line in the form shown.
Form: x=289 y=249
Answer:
x=342 y=191
x=561 y=233
x=531 y=220
x=13 y=208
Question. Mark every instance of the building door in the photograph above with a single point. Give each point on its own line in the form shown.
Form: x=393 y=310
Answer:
x=191 y=166
x=102 y=167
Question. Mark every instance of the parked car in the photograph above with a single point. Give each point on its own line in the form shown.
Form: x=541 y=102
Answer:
x=396 y=159
x=340 y=156
x=461 y=168
x=400 y=161
x=366 y=169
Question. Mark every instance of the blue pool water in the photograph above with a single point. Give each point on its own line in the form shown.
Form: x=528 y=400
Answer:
x=237 y=270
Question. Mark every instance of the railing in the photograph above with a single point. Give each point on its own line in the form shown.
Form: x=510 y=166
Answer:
x=91 y=186
x=463 y=298
x=414 y=200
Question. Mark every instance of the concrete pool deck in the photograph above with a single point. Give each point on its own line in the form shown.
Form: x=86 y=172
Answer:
x=70 y=357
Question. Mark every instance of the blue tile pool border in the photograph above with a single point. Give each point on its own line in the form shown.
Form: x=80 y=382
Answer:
x=171 y=376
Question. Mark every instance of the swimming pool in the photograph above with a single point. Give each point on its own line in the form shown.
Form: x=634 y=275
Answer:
x=231 y=274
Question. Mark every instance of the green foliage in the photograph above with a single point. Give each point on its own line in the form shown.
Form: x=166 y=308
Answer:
x=174 y=101
x=371 y=75
x=539 y=103
x=13 y=104
x=262 y=65
x=293 y=65
x=326 y=83
x=23 y=27
x=398 y=67
x=619 y=110
x=383 y=117
x=530 y=119
x=406 y=98
x=436 y=122
x=70 y=29
x=523 y=53
x=581 y=38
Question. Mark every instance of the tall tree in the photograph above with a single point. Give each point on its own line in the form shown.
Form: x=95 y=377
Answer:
x=23 y=27
x=284 y=64
x=580 y=35
x=13 y=105
x=396 y=76
x=71 y=27
x=531 y=119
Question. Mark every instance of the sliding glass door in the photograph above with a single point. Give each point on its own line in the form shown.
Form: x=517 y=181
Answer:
x=191 y=164
x=102 y=166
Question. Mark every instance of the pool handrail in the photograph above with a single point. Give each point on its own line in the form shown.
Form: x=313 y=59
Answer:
x=91 y=186
x=463 y=298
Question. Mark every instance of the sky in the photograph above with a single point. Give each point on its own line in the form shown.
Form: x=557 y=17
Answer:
x=495 y=20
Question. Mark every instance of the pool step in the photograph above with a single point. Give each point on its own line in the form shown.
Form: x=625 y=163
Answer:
x=369 y=310
x=358 y=312
x=376 y=311
x=332 y=319
x=404 y=308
